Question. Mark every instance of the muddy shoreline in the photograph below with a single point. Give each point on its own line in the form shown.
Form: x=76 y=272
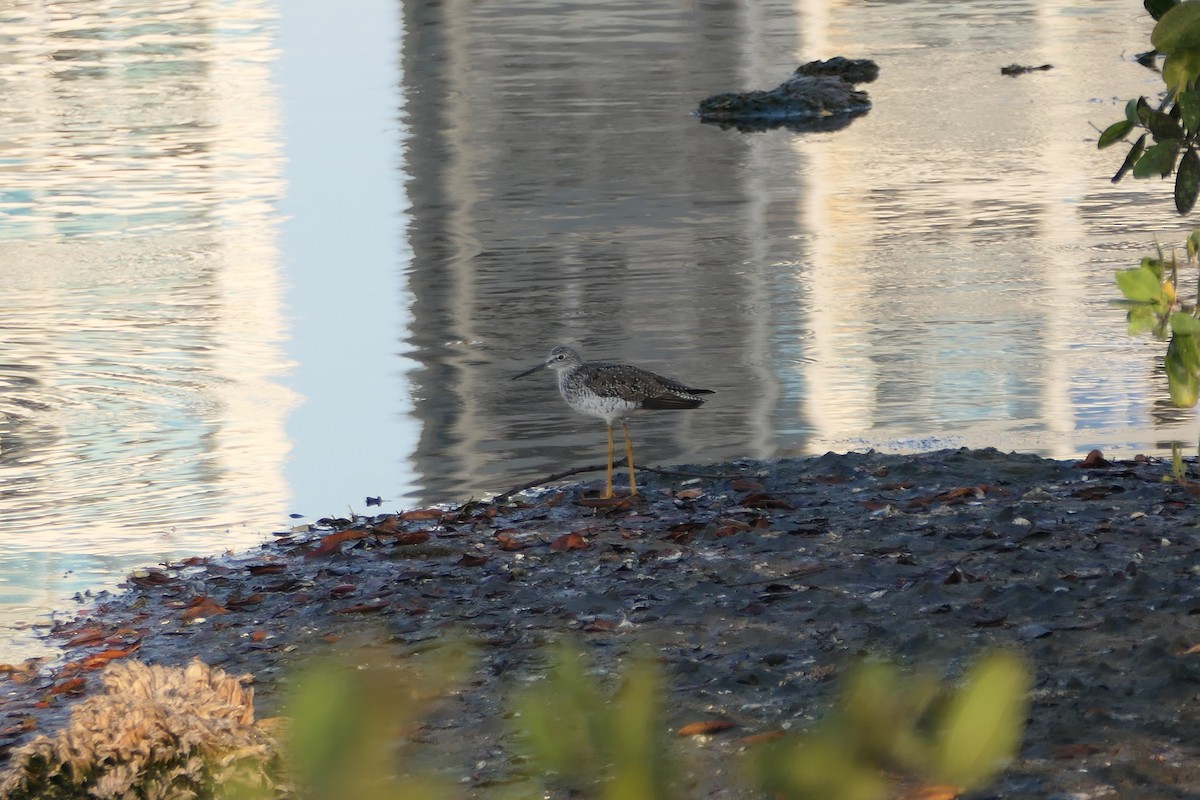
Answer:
x=756 y=589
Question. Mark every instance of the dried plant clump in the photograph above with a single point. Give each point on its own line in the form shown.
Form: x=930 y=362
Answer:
x=156 y=733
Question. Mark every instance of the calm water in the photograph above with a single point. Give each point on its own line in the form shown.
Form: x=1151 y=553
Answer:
x=265 y=259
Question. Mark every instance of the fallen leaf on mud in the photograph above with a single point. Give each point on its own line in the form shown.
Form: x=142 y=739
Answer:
x=600 y=626
x=1079 y=750
x=689 y=494
x=364 y=608
x=331 y=542
x=471 y=560
x=85 y=637
x=69 y=686
x=266 y=569
x=97 y=660
x=24 y=726
x=745 y=485
x=258 y=636
x=342 y=589
x=759 y=738
x=1096 y=492
x=960 y=494
x=706 y=726
x=683 y=531
x=202 y=607
x=412 y=537
x=729 y=530
x=506 y=541
x=145 y=578
x=244 y=602
x=931 y=793
x=1094 y=460
x=603 y=502
x=569 y=541
x=764 y=500
x=422 y=513
x=388 y=525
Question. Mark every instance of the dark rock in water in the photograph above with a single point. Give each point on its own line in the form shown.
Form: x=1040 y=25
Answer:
x=1021 y=69
x=820 y=96
x=851 y=70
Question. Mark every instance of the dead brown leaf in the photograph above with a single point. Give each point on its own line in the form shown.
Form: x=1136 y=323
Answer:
x=1094 y=460
x=422 y=513
x=69 y=686
x=569 y=541
x=604 y=502
x=764 y=500
x=745 y=485
x=86 y=636
x=388 y=525
x=759 y=738
x=939 y=792
x=97 y=660
x=705 y=727
x=1077 y=750
x=202 y=607
x=472 y=560
x=331 y=542
x=689 y=494
x=506 y=540
x=365 y=608
x=412 y=537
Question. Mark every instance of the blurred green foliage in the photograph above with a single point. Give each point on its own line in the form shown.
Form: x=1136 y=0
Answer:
x=608 y=746
x=350 y=721
x=610 y=740
x=1173 y=125
x=891 y=724
x=1152 y=294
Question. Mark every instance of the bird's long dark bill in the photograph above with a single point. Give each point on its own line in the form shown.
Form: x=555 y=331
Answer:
x=529 y=371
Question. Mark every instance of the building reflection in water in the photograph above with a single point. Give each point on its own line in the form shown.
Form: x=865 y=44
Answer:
x=142 y=326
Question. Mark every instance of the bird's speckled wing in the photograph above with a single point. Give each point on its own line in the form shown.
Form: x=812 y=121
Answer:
x=640 y=386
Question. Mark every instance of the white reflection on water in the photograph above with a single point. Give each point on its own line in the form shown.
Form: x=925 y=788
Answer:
x=141 y=328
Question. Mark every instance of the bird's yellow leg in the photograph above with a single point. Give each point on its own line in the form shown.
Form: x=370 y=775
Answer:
x=608 y=492
x=629 y=459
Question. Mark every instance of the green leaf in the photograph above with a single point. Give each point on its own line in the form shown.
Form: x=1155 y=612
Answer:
x=1131 y=110
x=1187 y=182
x=1142 y=319
x=1131 y=158
x=1180 y=70
x=1140 y=285
x=1184 y=324
x=1183 y=365
x=1159 y=159
x=984 y=721
x=1163 y=126
x=1114 y=133
x=1178 y=29
x=1188 y=104
x=1193 y=244
x=1159 y=7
